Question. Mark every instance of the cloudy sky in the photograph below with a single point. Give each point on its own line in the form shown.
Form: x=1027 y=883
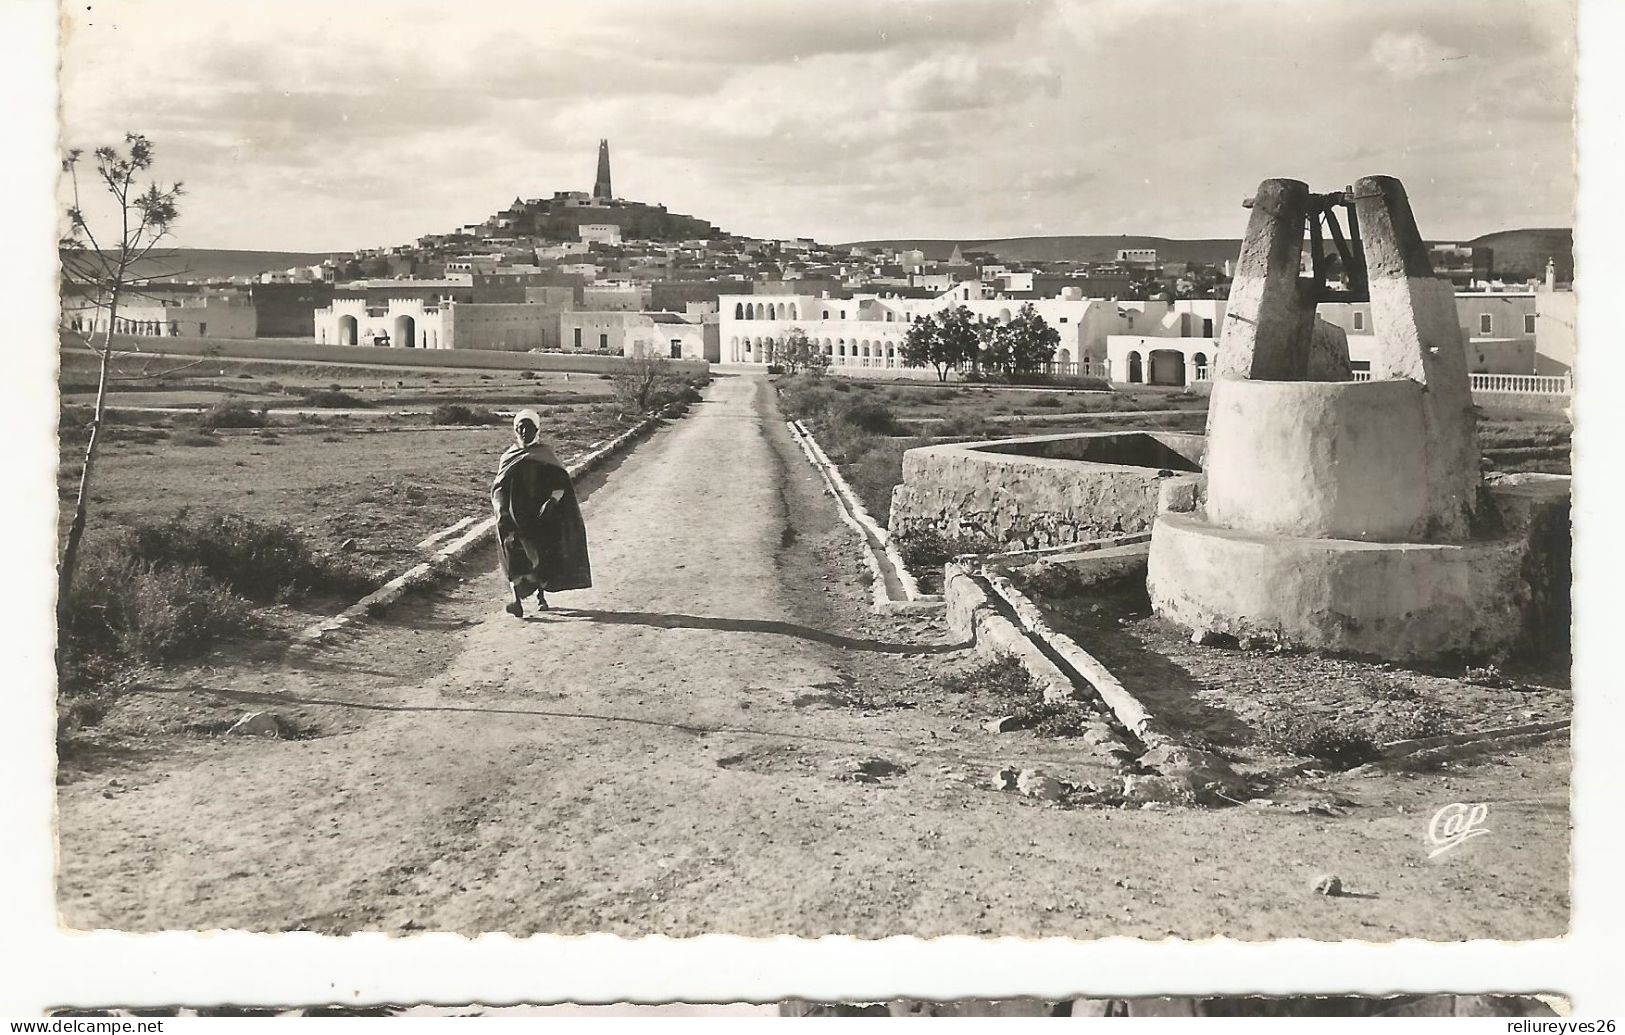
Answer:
x=310 y=124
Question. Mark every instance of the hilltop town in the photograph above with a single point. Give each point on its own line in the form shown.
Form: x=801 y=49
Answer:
x=584 y=271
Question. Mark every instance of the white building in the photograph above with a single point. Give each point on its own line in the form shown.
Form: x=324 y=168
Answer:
x=599 y=233
x=672 y=335
x=867 y=331
x=402 y=323
x=1166 y=343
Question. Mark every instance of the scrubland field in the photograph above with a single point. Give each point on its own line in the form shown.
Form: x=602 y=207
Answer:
x=235 y=499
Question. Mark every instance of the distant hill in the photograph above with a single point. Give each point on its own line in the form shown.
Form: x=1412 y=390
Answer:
x=1518 y=253
x=1076 y=247
x=217 y=263
x=1522 y=254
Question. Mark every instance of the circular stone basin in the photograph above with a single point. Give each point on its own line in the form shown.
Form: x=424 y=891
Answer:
x=1400 y=601
x=1318 y=459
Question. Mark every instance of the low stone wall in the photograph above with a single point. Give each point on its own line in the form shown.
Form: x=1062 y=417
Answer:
x=1045 y=490
x=1531 y=402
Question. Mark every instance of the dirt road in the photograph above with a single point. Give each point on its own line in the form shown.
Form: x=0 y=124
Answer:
x=717 y=738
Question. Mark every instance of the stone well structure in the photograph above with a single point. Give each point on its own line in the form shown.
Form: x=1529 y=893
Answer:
x=1343 y=515
x=1044 y=490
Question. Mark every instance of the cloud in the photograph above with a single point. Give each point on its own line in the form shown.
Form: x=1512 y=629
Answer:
x=316 y=124
x=747 y=32
x=966 y=81
x=1407 y=56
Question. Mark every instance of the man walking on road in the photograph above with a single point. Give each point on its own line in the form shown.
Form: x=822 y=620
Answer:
x=541 y=539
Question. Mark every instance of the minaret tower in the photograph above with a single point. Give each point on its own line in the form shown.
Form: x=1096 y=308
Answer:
x=600 y=188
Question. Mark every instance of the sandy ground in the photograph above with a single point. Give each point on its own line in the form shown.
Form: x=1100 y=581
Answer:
x=719 y=737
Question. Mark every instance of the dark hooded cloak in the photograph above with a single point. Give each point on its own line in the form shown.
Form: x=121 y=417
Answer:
x=542 y=542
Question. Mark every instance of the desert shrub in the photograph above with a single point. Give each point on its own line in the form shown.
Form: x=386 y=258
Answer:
x=806 y=399
x=869 y=415
x=1001 y=685
x=1048 y=402
x=457 y=413
x=1054 y=718
x=141 y=436
x=927 y=550
x=1343 y=742
x=73 y=422
x=195 y=438
x=527 y=374
x=965 y=425
x=157 y=614
x=334 y=398
x=230 y=413
x=996 y=686
x=1411 y=720
x=1334 y=740
x=261 y=561
x=648 y=384
x=876 y=472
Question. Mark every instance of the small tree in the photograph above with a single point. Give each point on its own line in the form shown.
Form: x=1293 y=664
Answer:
x=944 y=340
x=644 y=384
x=962 y=333
x=995 y=346
x=797 y=352
x=100 y=272
x=1028 y=341
x=923 y=346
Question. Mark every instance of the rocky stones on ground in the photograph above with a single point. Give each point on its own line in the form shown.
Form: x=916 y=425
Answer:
x=1096 y=732
x=348 y=546
x=1034 y=783
x=1002 y=724
x=1143 y=788
x=1329 y=884
x=873 y=770
x=1199 y=774
x=1206 y=638
x=1112 y=746
x=1039 y=785
x=257 y=724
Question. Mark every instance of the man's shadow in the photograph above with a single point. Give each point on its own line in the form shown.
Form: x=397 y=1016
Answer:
x=656 y=620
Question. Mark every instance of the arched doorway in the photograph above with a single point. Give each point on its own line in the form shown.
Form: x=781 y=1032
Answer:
x=1167 y=367
x=1199 y=361
x=1135 y=375
x=404 y=333
x=348 y=331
